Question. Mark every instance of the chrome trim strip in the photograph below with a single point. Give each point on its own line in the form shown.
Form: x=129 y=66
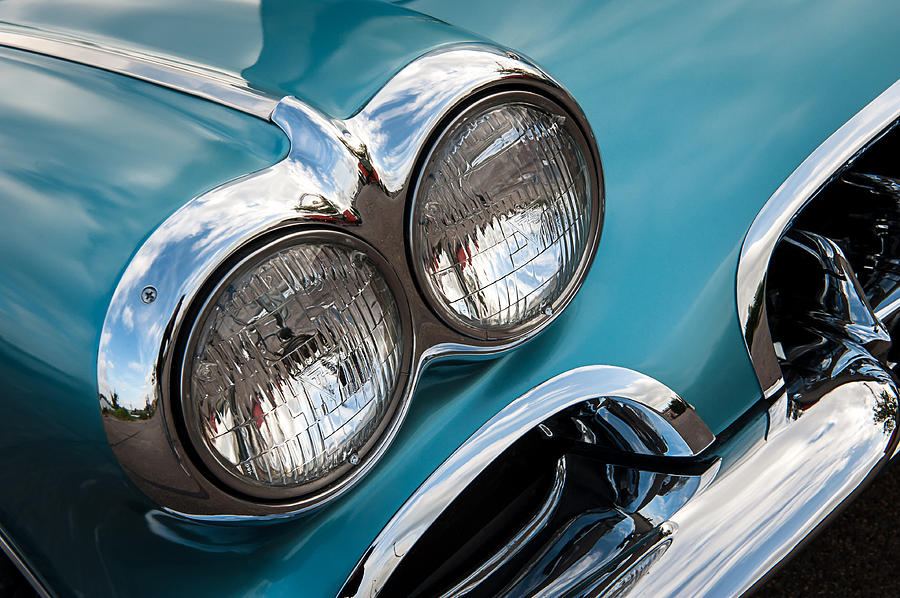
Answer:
x=774 y=389
x=218 y=86
x=353 y=175
x=778 y=212
x=489 y=441
x=622 y=584
x=10 y=551
x=889 y=307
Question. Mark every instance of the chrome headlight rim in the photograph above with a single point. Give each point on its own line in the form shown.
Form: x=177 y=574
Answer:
x=352 y=176
x=187 y=427
x=548 y=98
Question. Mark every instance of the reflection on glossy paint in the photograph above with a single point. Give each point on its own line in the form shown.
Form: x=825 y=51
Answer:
x=89 y=162
x=333 y=53
x=701 y=112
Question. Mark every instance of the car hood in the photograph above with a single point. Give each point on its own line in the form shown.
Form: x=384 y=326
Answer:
x=333 y=54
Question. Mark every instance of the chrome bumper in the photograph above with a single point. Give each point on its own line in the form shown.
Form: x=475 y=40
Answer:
x=677 y=523
x=784 y=471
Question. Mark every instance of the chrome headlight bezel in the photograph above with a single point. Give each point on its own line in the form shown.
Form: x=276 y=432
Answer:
x=350 y=177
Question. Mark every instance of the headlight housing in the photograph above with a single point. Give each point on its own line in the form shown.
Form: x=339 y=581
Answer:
x=292 y=365
x=502 y=216
x=176 y=424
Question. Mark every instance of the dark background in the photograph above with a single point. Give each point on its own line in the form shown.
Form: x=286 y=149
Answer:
x=856 y=555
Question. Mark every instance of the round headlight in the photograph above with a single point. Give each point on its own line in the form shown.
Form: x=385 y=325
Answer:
x=292 y=366
x=502 y=215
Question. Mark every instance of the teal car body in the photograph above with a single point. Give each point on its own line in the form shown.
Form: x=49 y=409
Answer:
x=700 y=110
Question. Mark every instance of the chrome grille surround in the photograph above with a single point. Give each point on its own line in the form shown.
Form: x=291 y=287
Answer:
x=776 y=216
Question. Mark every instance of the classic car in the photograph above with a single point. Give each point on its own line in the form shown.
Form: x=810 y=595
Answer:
x=359 y=298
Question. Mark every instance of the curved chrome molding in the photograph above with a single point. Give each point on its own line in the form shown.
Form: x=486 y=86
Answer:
x=218 y=86
x=352 y=175
x=685 y=434
x=778 y=212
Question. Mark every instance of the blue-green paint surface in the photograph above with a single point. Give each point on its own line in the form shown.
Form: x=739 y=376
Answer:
x=332 y=53
x=701 y=111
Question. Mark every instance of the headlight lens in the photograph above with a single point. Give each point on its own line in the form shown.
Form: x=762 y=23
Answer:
x=292 y=366
x=502 y=216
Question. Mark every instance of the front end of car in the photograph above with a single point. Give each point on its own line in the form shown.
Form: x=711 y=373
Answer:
x=297 y=302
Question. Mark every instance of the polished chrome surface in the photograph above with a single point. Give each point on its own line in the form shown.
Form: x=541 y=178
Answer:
x=783 y=470
x=594 y=547
x=773 y=491
x=823 y=324
x=351 y=175
x=501 y=215
x=515 y=544
x=639 y=566
x=228 y=89
x=295 y=365
x=775 y=217
x=785 y=467
x=650 y=405
x=881 y=205
x=840 y=303
x=889 y=307
x=833 y=425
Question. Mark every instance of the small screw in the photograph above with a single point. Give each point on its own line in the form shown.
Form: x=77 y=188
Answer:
x=548 y=311
x=148 y=295
x=354 y=459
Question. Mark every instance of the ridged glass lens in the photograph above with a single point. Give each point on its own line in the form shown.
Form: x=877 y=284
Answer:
x=502 y=216
x=295 y=364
